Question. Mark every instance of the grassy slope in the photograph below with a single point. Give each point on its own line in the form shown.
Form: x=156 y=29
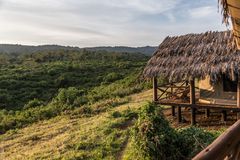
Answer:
x=66 y=137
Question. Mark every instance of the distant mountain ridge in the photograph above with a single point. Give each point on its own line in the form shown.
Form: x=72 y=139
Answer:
x=19 y=49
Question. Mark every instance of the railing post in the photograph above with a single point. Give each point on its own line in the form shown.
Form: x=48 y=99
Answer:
x=155 y=98
x=192 y=101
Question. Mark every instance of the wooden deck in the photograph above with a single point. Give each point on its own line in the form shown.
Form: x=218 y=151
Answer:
x=179 y=103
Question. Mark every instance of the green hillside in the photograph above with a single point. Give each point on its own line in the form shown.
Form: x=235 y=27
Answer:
x=39 y=86
x=80 y=105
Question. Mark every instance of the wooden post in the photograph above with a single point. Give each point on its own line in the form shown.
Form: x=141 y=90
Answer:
x=238 y=97
x=238 y=116
x=224 y=115
x=192 y=92
x=179 y=114
x=173 y=111
x=192 y=101
x=155 y=89
x=238 y=93
x=207 y=113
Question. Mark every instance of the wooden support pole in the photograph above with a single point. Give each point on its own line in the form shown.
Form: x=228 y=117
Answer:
x=238 y=115
x=192 y=101
x=224 y=115
x=192 y=92
x=155 y=89
x=193 y=116
x=238 y=97
x=207 y=113
x=173 y=111
x=179 y=114
x=238 y=93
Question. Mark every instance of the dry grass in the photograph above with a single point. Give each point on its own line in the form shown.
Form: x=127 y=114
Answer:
x=64 y=137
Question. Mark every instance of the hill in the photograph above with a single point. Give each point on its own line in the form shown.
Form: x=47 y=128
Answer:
x=70 y=136
x=147 y=50
x=42 y=85
x=20 y=49
x=70 y=104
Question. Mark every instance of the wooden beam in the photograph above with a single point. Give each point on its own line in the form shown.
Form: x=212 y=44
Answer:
x=192 y=101
x=155 y=87
x=173 y=111
x=179 y=114
x=201 y=106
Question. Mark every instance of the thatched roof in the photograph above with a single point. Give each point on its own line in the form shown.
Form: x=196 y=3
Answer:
x=195 y=55
x=231 y=9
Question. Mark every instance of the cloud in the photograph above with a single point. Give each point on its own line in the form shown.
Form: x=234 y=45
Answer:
x=202 y=12
x=104 y=22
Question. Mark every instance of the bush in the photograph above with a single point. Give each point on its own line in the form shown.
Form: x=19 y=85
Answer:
x=68 y=96
x=154 y=138
x=195 y=140
x=111 y=77
x=33 y=103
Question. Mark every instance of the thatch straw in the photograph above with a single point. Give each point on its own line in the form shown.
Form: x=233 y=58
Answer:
x=195 y=55
x=224 y=10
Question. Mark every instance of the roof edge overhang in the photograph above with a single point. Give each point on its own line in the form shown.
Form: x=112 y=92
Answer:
x=231 y=10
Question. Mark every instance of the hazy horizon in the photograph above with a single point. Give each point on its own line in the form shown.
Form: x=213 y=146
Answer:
x=92 y=23
x=36 y=45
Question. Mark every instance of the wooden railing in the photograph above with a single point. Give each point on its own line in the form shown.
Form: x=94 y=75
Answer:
x=179 y=90
x=225 y=147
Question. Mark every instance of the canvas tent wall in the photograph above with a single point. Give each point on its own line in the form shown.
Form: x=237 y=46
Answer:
x=215 y=93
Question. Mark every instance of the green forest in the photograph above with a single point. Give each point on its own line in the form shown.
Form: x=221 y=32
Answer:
x=42 y=85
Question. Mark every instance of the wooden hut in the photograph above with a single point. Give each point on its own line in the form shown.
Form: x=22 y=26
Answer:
x=202 y=71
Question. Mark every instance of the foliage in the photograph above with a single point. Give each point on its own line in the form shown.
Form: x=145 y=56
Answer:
x=33 y=103
x=155 y=139
x=40 y=75
x=40 y=86
x=195 y=140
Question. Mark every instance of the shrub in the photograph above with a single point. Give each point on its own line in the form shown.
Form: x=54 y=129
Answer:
x=195 y=139
x=154 y=138
x=111 y=77
x=33 y=103
x=68 y=96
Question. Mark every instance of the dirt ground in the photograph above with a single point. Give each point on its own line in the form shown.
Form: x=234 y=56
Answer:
x=213 y=122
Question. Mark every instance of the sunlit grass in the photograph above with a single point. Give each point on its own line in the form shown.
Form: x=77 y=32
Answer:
x=101 y=136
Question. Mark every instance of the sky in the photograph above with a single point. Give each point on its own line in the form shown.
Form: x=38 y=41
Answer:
x=88 y=23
